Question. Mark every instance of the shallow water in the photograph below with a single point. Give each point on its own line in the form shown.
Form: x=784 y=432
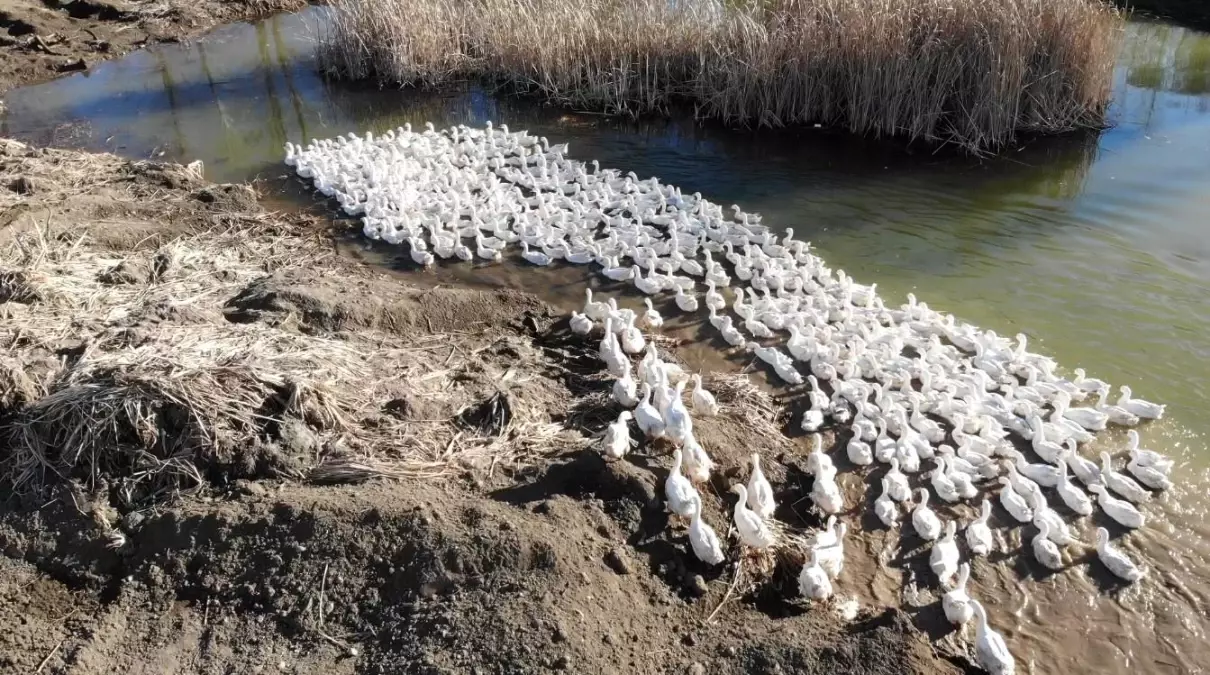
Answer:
x=1096 y=246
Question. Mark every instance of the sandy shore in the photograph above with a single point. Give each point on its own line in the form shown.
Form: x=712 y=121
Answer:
x=227 y=449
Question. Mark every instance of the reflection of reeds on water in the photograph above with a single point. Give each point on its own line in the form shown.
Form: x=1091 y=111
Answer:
x=971 y=72
x=1167 y=58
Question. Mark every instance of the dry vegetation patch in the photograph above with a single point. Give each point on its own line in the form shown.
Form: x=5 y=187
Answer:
x=972 y=72
x=155 y=385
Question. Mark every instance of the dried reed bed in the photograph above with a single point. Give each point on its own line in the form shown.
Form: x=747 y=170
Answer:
x=971 y=72
x=143 y=385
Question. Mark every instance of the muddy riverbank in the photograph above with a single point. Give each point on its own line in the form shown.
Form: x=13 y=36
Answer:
x=228 y=450
x=40 y=40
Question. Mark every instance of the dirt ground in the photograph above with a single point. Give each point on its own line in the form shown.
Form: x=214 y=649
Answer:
x=41 y=39
x=224 y=449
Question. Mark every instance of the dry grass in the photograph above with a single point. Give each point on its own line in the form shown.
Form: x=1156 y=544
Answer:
x=746 y=402
x=151 y=387
x=971 y=72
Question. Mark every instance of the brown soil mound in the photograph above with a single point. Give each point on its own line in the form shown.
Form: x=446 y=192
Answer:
x=43 y=39
x=224 y=449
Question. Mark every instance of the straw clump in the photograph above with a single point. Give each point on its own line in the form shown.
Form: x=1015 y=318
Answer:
x=971 y=72
x=158 y=388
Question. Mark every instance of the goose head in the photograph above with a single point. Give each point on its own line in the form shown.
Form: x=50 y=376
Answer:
x=742 y=491
x=1043 y=529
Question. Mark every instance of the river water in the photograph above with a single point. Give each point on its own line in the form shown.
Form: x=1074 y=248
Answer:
x=1097 y=246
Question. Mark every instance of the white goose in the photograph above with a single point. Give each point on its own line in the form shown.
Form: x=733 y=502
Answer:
x=943 y=485
x=1120 y=510
x=943 y=559
x=813 y=581
x=686 y=301
x=1089 y=418
x=990 y=649
x=1045 y=550
x=652 y=318
x=1072 y=496
x=1045 y=475
x=1023 y=485
x=978 y=534
x=885 y=508
x=649 y=284
x=1116 y=561
x=1046 y=449
x=580 y=324
x=680 y=495
x=704 y=403
x=1117 y=414
x=616 y=441
x=648 y=418
x=826 y=494
x=703 y=540
x=1060 y=533
x=1144 y=409
x=714 y=299
x=616 y=361
x=678 y=425
x=924 y=520
x=760 y=492
x=625 y=390
x=597 y=311
x=753 y=531
x=632 y=338
x=1086 y=470
x=419 y=253
x=1145 y=457
x=534 y=257
x=818 y=462
x=1121 y=483
x=897 y=483
x=859 y=453
x=1148 y=475
x=831 y=553
x=698 y=464
x=963 y=482
x=956 y=602
x=1014 y=503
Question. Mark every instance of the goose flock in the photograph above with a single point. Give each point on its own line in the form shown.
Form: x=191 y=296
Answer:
x=955 y=414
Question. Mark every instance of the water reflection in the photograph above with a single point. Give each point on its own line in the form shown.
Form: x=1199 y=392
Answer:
x=1163 y=70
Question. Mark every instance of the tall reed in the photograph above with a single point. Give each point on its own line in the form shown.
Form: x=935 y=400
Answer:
x=971 y=72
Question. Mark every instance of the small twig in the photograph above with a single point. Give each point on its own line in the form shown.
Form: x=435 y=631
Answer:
x=41 y=44
x=727 y=595
x=323 y=583
x=48 y=656
x=319 y=627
